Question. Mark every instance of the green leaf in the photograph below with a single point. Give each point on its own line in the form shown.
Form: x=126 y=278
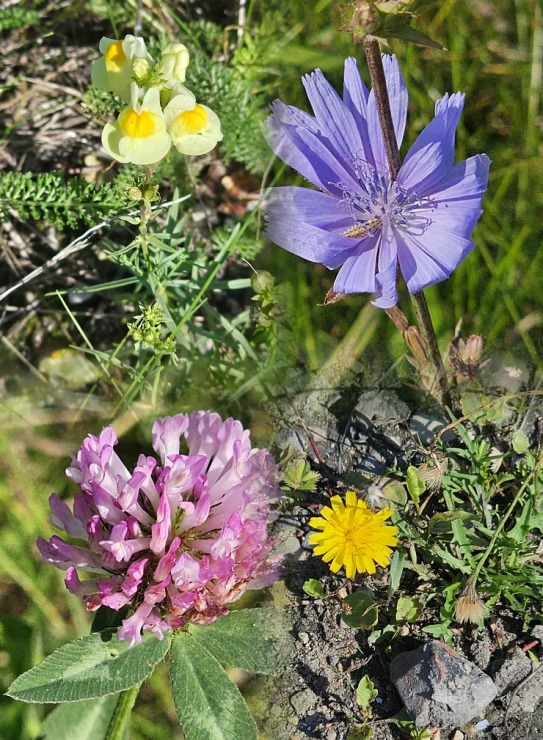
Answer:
x=92 y=666
x=449 y=559
x=299 y=476
x=397 y=26
x=313 y=587
x=520 y=442
x=207 y=703
x=442 y=522
x=361 y=733
x=245 y=638
x=439 y=630
x=359 y=610
x=415 y=485
x=523 y=524
x=394 y=492
x=86 y=720
x=396 y=569
x=408 y=609
x=366 y=693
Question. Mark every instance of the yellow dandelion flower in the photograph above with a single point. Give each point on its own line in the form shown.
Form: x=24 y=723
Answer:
x=352 y=536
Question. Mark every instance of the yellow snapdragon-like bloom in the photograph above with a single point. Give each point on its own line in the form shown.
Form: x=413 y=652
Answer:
x=194 y=128
x=352 y=536
x=173 y=64
x=139 y=134
x=114 y=69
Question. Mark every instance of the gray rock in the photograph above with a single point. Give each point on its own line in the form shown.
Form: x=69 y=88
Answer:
x=508 y=672
x=440 y=688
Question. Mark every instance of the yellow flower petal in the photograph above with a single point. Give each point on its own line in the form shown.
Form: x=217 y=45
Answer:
x=194 y=128
x=139 y=134
x=113 y=70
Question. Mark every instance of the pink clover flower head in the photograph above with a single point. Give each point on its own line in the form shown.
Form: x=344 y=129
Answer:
x=359 y=219
x=179 y=537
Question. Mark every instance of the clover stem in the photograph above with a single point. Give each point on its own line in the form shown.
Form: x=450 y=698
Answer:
x=439 y=386
x=121 y=714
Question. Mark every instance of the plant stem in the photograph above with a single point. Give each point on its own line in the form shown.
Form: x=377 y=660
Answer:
x=379 y=85
x=439 y=386
x=475 y=575
x=121 y=715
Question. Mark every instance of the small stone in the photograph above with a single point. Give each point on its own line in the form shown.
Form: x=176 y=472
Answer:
x=304 y=702
x=439 y=687
x=508 y=672
x=303 y=637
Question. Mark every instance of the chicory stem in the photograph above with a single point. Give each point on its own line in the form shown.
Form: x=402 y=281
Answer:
x=439 y=386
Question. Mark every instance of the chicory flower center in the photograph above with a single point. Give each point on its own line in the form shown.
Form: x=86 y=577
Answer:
x=380 y=201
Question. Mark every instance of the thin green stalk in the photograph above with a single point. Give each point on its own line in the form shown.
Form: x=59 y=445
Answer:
x=349 y=350
x=121 y=715
x=475 y=575
x=439 y=387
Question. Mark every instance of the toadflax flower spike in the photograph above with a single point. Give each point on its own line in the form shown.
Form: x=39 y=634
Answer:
x=176 y=539
x=359 y=219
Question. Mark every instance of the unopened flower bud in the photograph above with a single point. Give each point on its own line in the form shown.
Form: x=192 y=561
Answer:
x=363 y=20
x=262 y=281
x=173 y=64
x=140 y=68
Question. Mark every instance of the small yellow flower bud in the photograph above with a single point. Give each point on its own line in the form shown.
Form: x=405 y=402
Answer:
x=140 y=68
x=173 y=64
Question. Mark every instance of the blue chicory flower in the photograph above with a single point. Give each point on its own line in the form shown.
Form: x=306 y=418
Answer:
x=359 y=219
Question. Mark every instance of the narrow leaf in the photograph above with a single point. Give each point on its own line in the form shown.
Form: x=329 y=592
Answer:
x=85 y=720
x=396 y=569
x=246 y=638
x=208 y=704
x=92 y=666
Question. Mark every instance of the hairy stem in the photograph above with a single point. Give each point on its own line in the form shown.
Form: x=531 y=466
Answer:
x=121 y=715
x=432 y=362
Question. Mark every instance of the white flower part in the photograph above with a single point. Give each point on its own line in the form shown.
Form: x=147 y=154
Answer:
x=139 y=134
x=194 y=128
x=113 y=70
x=173 y=64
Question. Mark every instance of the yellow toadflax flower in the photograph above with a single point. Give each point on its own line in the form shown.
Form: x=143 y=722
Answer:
x=194 y=128
x=139 y=134
x=114 y=70
x=352 y=536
